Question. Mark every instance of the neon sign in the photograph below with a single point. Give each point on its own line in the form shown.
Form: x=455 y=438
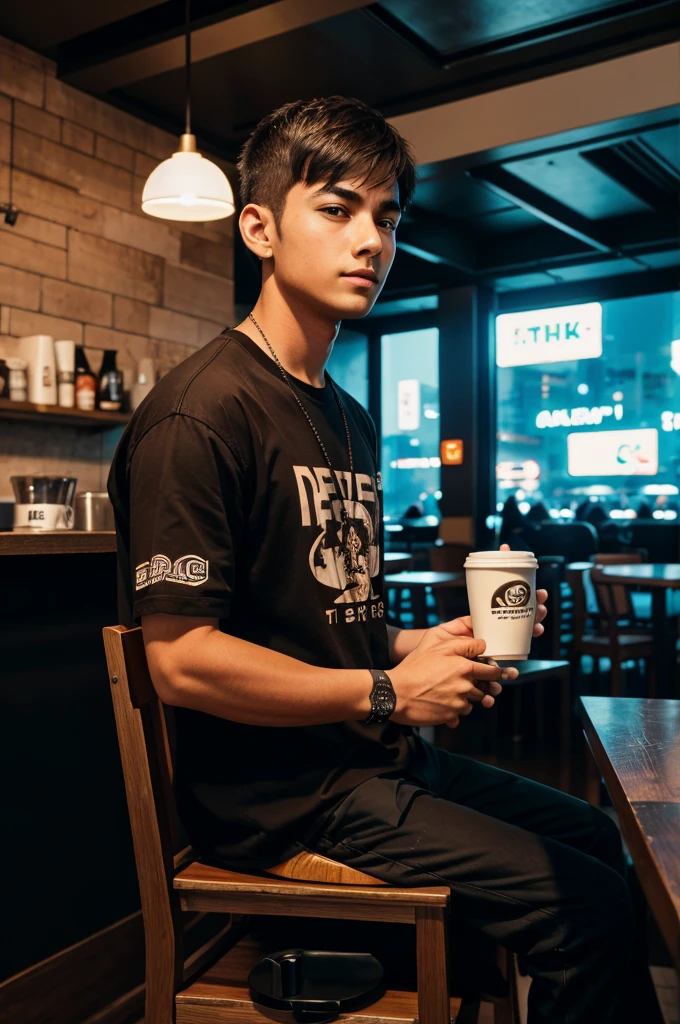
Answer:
x=549 y=335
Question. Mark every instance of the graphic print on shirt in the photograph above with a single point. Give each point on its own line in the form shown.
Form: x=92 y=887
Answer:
x=345 y=554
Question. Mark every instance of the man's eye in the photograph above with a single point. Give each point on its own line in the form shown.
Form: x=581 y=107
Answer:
x=389 y=224
x=334 y=210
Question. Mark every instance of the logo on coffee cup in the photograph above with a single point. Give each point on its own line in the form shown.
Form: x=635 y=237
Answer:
x=515 y=594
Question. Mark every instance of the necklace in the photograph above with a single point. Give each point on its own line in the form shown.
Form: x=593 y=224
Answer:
x=306 y=414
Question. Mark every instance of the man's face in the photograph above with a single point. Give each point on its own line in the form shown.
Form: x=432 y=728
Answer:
x=336 y=245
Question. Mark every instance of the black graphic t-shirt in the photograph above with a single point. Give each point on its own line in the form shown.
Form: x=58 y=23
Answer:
x=223 y=503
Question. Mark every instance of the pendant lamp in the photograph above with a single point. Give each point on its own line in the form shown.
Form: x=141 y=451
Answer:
x=187 y=186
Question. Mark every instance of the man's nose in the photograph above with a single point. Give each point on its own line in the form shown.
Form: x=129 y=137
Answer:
x=366 y=237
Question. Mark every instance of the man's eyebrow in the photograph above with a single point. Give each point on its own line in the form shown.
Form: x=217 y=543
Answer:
x=387 y=206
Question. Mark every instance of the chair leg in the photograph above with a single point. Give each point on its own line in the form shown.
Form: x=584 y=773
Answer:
x=506 y=1010
x=615 y=687
x=651 y=675
x=593 y=779
x=432 y=954
x=565 y=732
x=539 y=707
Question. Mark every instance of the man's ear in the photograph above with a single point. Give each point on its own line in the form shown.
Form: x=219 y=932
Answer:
x=258 y=229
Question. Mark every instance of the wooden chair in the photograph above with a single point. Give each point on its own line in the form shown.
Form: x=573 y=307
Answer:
x=204 y=981
x=607 y=639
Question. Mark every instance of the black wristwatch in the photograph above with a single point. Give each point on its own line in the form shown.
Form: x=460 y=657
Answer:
x=383 y=697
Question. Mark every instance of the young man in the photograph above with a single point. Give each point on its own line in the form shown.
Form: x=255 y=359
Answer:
x=247 y=498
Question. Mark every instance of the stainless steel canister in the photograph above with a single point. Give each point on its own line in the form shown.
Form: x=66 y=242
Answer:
x=94 y=511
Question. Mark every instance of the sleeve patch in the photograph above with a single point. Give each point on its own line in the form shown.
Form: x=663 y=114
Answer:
x=191 y=570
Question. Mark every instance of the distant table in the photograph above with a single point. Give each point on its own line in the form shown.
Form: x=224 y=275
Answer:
x=659 y=579
x=396 y=561
x=417 y=583
x=635 y=744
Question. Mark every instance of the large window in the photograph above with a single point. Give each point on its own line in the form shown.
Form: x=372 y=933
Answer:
x=348 y=364
x=410 y=423
x=602 y=428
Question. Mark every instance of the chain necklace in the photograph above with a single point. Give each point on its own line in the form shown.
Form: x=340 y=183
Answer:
x=306 y=414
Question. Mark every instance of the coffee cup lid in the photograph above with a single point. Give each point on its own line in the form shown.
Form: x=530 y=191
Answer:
x=501 y=560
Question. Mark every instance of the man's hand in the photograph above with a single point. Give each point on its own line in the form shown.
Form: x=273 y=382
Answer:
x=436 y=683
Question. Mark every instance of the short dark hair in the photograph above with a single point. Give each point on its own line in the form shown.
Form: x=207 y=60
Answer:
x=323 y=140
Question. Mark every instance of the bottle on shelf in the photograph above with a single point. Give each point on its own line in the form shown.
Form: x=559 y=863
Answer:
x=86 y=382
x=110 y=391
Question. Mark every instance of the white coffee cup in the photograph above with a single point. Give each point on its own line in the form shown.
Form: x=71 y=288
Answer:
x=501 y=588
x=31 y=518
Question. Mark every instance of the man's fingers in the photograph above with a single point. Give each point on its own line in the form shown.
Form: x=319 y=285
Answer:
x=480 y=670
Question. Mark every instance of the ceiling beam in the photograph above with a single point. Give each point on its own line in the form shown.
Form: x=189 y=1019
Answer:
x=591 y=95
x=542 y=206
x=425 y=236
x=541 y=248
x=622 y=286
x=621 y=170
x=222 y=36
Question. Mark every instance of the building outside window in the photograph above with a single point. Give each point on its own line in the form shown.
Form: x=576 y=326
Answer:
x=410 y=423
x=602 y=427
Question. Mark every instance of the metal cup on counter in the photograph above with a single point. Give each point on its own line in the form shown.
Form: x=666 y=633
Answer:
x=94 y=511
x=43 y=502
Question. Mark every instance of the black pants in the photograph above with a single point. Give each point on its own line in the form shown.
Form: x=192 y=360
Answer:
x=535 y=869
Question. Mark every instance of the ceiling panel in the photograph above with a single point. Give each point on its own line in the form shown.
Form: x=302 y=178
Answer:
x=43 y=24
x=665 y=142
x=604 y=268
x=570 y=179
x=463 y=24
x=520 y=281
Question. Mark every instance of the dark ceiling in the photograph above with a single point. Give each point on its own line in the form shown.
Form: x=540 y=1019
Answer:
x=563 y=218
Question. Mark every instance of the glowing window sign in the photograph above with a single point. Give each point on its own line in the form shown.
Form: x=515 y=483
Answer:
x=613 y=453
x=549 y=335
x=579 y=417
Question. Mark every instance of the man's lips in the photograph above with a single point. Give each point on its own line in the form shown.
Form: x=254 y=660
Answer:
x=365 y=278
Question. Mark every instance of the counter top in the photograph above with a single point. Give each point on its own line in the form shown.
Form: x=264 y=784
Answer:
x=58 y=542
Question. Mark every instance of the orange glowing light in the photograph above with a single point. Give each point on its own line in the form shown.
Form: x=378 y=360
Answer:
x=452 y=452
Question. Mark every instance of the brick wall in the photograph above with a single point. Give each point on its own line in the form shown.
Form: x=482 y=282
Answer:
x=84 y=262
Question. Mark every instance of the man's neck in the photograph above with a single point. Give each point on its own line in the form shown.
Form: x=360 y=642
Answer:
x=302 y=339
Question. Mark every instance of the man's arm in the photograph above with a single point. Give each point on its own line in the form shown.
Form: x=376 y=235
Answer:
x=402 y=642
x=188 y=659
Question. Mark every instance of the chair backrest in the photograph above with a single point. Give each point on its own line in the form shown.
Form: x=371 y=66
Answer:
x=448 y=557
x=549 y=576
x=621 y=558
x=576 y=580
x=178 y=944
x=613 y=599
x=147 y=770
x=577 y=542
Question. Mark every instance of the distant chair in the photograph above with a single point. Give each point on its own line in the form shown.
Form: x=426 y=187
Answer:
x=451 y=602
x=577 y=542
x=601 y=635
x=661 y=540
x=538 y=513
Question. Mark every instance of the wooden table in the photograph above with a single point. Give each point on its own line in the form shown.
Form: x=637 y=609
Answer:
x=659 y=579
x=417 y=583
x=635 y=744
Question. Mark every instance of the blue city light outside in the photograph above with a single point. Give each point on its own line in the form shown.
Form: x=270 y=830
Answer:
x=630 y=394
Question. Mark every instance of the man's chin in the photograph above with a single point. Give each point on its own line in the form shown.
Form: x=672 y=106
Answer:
x=357 y=308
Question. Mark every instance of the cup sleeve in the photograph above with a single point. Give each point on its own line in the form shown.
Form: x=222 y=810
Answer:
x=186 y=520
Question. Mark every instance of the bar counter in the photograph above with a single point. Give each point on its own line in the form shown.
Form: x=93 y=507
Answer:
x=67 y=845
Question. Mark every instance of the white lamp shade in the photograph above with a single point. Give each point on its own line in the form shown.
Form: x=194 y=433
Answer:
x=188 y=187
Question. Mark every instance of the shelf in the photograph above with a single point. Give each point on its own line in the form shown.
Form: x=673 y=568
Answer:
x=34 y=412
x=58 y=542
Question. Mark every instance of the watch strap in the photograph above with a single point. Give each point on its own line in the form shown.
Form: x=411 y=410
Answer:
x=382 y=696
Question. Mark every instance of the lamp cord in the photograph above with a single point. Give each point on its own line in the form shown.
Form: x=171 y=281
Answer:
x=187 y=62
